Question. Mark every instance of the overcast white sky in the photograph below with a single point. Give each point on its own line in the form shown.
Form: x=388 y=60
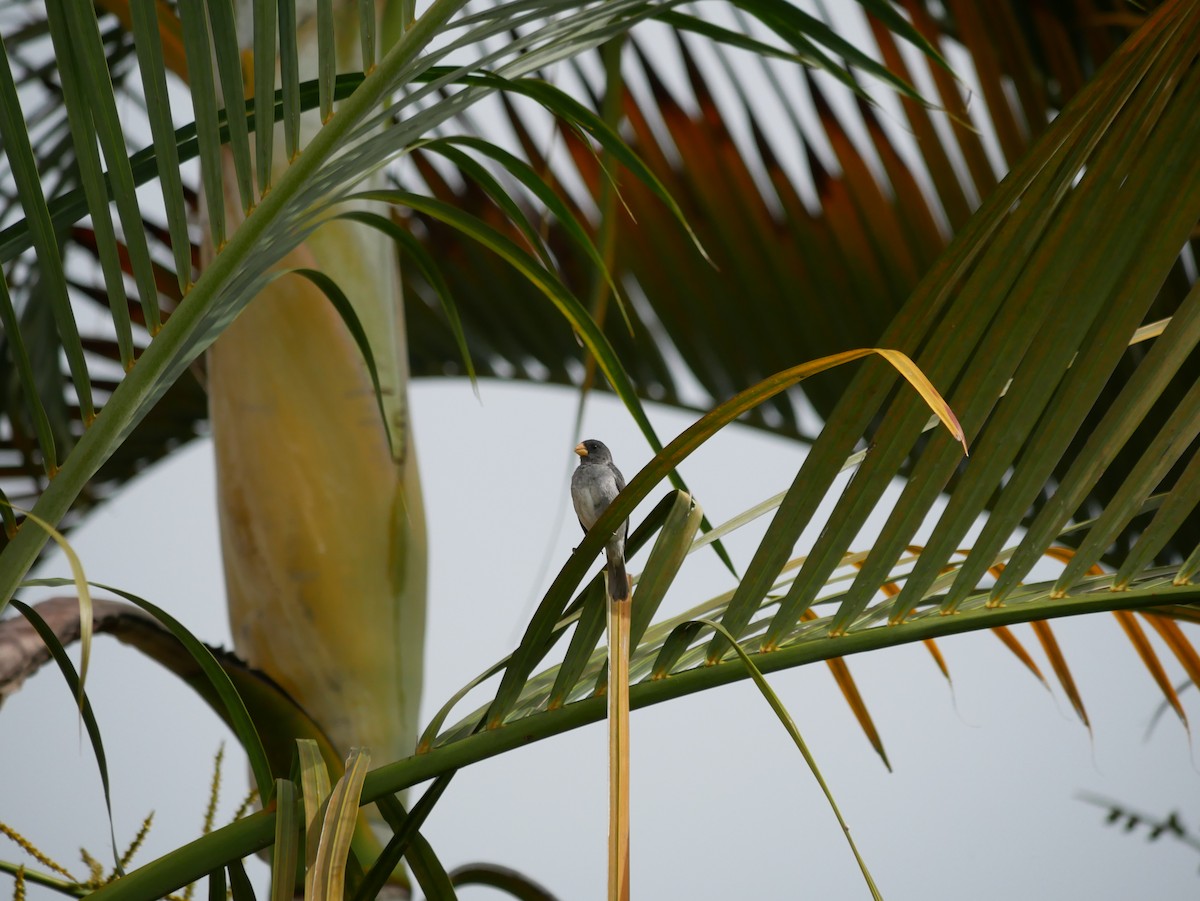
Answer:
x=983 y=803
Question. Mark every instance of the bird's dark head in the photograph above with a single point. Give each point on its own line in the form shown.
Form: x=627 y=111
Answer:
x=593 y=451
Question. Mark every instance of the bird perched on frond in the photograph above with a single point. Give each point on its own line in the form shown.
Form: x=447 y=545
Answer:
x=594 y=485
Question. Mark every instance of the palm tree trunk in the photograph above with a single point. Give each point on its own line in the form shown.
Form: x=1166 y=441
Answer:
x=322 y=522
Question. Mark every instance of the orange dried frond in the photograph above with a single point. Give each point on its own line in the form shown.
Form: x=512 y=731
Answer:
x=1059 y=664
x=1170 y=632
x=936 y=653
x=1142 y=645
x=845 y=682
x=1066 y=555
x=1010 y=641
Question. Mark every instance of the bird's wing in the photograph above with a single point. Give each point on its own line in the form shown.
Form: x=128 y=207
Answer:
x=619 y=479
x=617 y=475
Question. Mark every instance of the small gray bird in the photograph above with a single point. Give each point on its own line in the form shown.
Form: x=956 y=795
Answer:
x=594 y=485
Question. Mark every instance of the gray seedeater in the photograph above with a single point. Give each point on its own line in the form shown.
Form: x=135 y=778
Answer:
x=594 y=485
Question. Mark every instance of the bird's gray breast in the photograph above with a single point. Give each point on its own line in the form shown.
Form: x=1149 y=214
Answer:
x=592 y=490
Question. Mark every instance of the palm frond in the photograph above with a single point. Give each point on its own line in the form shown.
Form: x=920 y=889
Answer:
x=1028 y=316
x=375 y=120
x=808 y=259
x=814 y=228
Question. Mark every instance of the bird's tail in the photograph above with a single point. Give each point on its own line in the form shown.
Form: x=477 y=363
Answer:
x=618 y=581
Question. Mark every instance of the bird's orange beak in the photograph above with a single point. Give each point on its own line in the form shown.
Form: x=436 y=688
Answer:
x=580 y=449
